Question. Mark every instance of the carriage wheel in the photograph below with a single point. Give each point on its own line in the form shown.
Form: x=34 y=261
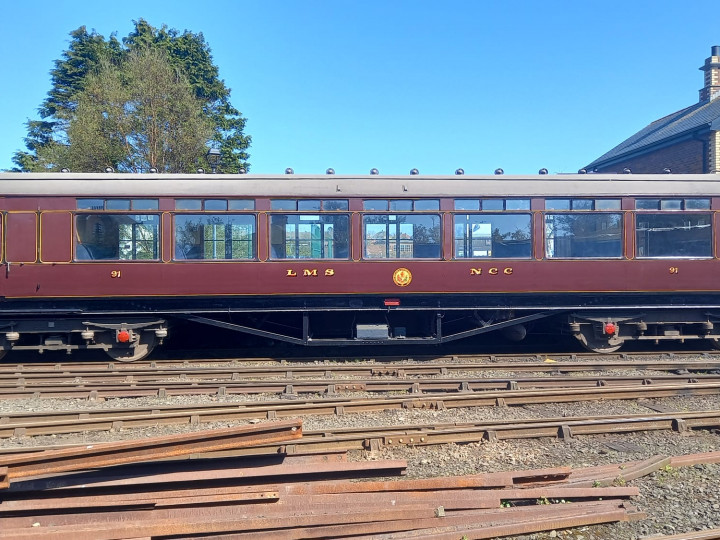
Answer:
x=142 y=349
x=592 y=343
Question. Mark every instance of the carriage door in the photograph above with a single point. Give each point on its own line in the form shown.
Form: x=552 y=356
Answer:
x=55 y=236
x=21 y=237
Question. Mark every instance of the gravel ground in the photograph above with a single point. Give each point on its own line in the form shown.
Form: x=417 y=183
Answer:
x=676 y=500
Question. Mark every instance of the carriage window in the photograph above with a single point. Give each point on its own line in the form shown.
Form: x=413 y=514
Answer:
x=309 y=205
x=117 y=237
x=91 y=204
x=582 y=204
x=402 y=205
x=492 y=236
x=492 y=205
x=607 y=204
x=301 y=236
x=283 y=204
x=188 y=204
x=557 y=204
x=378 y=205
x=215 y=205
x=672 y=204
x=117 y=204
x=697 y=204
x=401 y=236
x=144 y=204
x=673 y=235
x=517 y=204
x=467 y=204
x=330 y=205
x=588 y=235
x=427 y=205
x=214 y=236
x=241 y=204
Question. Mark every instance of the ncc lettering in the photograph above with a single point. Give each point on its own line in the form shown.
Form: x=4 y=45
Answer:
x=310 y=272
x=492 y=271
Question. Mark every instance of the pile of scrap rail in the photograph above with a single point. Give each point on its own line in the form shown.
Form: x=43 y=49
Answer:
x=141 y=489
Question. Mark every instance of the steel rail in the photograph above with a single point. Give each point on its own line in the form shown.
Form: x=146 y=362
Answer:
x=56 y=422
x=340 y=521
x=351 y=367
x=375 y=438
x=107 y=454
x=321 y=378
x=73 y=388
x=427 y=435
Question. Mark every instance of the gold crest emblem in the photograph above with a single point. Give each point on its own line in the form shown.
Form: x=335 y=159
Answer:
x=402 y=277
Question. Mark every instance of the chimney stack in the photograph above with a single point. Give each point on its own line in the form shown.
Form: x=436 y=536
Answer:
x=711 y=68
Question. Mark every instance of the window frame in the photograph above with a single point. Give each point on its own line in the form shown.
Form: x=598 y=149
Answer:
x=228 y=243
x=468 y=240
x=325 y=245
x=135 y=241
x=396 y=240
x=577 y=216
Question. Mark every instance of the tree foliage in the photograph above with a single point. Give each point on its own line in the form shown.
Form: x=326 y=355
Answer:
x=106 y=106
x=141 y=116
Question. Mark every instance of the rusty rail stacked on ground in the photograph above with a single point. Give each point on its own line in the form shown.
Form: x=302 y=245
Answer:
x=299 y=496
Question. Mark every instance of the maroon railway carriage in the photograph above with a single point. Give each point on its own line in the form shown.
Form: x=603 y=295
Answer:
x=110 y=261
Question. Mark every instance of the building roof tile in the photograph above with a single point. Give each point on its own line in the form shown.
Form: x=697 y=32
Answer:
x=685 y=121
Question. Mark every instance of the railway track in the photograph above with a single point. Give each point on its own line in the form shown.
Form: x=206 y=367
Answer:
x=388 y=364
x=113 y=380
x=274 y=390
x=125 y=386
x=62 y=422
x=375 y=438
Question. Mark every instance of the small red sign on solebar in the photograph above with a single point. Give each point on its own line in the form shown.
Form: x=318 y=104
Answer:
x=392 y=301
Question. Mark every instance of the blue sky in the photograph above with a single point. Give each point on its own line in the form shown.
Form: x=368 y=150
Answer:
x=396 y=85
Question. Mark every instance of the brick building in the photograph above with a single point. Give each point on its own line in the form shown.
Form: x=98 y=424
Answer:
x=687 y=141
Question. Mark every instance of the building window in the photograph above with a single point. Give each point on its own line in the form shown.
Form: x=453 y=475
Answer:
x=121 y=237
x=303 y=236
x=492 y=236
x=582 y=236
x=401 y=236
x=673 y=235
x=214 y=237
